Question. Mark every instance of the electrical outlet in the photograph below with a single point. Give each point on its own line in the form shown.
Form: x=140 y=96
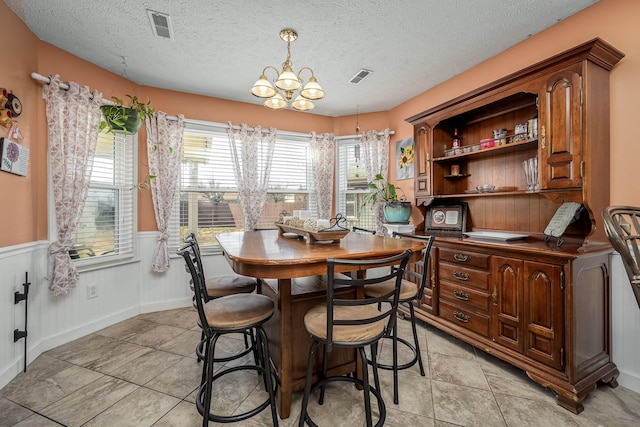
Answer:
x=92 y=291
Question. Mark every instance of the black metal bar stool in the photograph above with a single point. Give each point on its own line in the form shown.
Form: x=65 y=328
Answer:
x=352 y=323
x=239 y=313
x=409 y=292
x=217 y=286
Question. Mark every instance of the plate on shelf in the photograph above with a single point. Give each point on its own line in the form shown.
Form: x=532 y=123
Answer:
x=494 y=235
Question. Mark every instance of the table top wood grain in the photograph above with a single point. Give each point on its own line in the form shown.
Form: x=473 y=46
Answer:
x=265 y=254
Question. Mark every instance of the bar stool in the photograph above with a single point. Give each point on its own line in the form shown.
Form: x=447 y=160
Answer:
x=352 y=323
x=219 y=286
x=410 y=292
x=239 y=313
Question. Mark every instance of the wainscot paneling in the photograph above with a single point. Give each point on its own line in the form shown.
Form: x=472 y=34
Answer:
x=625 y=325
x=124 y=291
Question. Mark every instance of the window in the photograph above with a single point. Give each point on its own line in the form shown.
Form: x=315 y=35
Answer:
x=208 y=191
x=352 y=185
x=107 y=224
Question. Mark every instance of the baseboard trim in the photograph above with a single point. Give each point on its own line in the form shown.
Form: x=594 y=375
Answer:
x=166 y=305
x=629 y=380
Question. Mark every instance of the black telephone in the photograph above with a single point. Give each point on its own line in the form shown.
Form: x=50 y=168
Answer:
x=566 y=214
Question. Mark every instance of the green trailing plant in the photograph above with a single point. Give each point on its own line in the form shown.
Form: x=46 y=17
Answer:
x=125 y=118
x=383 y=191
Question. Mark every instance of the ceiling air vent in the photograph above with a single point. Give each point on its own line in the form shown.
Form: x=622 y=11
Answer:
x=360 y=75
x=160 y=24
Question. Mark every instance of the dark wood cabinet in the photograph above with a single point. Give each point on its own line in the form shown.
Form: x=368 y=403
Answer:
x=507 y=297
x=560 y=131
x=538 y=305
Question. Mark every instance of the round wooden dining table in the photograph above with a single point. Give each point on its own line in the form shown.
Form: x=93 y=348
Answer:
x=289 y=269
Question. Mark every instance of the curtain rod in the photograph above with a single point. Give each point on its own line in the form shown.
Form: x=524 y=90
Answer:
x=47 y=80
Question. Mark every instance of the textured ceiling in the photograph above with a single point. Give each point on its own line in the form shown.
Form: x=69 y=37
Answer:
x=220 y=47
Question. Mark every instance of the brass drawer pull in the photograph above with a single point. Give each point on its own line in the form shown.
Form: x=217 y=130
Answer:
x=460 y=275
x=461 y=295
x=460 y=257
x=461 y=316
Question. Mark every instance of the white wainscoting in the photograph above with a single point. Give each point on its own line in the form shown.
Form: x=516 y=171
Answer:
x=123 y=291
x=625 y=326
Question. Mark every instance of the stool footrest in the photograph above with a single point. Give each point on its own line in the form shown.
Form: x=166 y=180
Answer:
x=359 y=384
x=409 y=364
x=244 y=415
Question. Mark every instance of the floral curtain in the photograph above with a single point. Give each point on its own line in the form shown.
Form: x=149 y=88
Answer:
x=323 y=153
x=73 y=118
x=375 y=147
x=252 y=155
x=164 y=145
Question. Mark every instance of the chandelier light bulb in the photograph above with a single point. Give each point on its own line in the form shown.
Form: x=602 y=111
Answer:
x=276 y=102
x=262 y=88
x=302 y=104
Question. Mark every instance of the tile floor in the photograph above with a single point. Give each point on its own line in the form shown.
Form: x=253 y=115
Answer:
x=143 y=372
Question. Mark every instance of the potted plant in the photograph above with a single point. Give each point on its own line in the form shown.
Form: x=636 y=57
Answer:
x=125 y=118
x=396 y=209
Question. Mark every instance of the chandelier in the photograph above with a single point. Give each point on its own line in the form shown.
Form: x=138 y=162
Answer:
x=288 y=83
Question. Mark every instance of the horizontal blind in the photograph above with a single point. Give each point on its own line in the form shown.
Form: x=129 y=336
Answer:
x=106 y=223
x=208 y=190
x=352 y=185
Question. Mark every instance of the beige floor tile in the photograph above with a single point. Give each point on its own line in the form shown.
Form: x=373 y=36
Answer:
x=36 y=420
x=618 y=402
x=465 y=406
x=146 y=367
x=99 y=353
x=535 y=413
x=143 y=407
x=398 y=418
x=12 y=413
x=184 y=414
x=86 y=403
x=526 y=389
x=156 y=337
x=127 y=329
x=184 y=318
x=414 y=392
x=152 y=356
x=184 y=344
x=180 y=380
x=49 y=390
x=457 y=370
x=439 y=342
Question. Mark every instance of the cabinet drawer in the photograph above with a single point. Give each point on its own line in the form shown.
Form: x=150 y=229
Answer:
x=470 y=259
x=469 y=319
x=478 y=279
x=464 y=296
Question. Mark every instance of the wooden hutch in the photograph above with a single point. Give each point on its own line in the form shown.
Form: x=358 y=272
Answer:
x=540 y=306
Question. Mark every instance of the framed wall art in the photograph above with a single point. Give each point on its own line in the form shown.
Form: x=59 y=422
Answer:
x=404 y=159
x=446 y=217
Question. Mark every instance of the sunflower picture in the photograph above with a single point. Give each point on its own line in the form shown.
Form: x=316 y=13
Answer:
x=404 y=159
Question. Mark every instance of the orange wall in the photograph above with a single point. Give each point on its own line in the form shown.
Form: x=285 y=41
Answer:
x=24 y=200
x=18 y=196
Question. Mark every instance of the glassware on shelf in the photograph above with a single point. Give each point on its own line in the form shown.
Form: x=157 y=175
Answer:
x=531 y=173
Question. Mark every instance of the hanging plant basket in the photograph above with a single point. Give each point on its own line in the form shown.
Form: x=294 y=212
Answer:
x=123 y=119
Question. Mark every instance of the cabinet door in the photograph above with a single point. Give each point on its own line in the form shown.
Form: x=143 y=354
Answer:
x=506 y=302
x=422 y=167
x=544 y=313
x=560 y=114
